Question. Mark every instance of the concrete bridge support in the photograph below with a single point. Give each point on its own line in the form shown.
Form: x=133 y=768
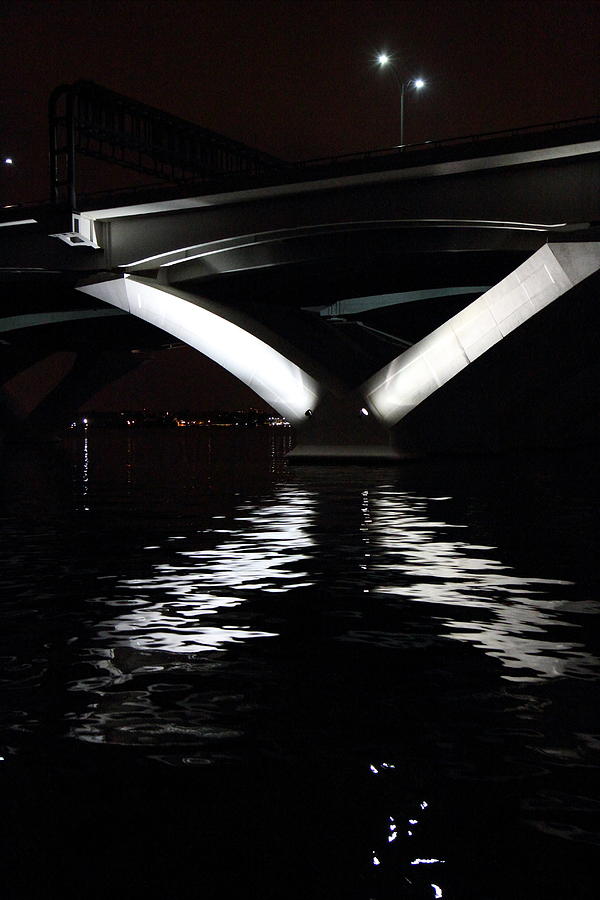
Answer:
x=92 y=369
x=335 y=417
x=85 y=371
x=414 y=375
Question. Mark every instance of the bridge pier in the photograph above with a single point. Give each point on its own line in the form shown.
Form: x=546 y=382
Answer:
x=91 y=371
x=343 y=428
x=84 y=371
x=335 y=421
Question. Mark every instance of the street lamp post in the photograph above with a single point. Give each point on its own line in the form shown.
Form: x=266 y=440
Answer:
x=384 y=60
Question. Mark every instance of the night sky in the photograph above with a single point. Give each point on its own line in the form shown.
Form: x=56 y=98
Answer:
x=297 y=78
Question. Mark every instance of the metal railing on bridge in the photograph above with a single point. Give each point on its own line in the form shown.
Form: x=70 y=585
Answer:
x=87 y=119
x=90 y=120
x=510 y=138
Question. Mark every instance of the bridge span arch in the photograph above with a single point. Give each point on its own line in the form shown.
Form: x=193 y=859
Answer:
x=336 y=416
x=358 y=296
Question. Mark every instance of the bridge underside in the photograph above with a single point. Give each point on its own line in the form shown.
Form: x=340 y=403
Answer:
x=358 y=392
x=425 y=349
x=423 y=300
x=58 y=348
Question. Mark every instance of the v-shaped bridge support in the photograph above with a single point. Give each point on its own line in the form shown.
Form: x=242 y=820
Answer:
x=332 y=420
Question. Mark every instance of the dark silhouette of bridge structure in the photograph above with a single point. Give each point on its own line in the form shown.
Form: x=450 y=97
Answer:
x=426 y=298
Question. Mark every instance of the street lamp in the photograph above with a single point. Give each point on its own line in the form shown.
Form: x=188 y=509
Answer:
x=417 y=83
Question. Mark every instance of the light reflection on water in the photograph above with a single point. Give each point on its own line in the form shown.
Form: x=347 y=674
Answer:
x=261 y=551
x=357 y=622
x=497 y=611
x=270 y=549
x=394 y=552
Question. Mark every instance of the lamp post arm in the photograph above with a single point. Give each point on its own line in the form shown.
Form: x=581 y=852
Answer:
x=402 y=88
x=385 y=60
x=402 y=113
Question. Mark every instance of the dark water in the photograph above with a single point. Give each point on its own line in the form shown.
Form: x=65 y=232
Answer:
x=223 y=677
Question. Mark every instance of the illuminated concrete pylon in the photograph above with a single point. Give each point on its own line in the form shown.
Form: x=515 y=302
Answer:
x=279 y=380
x=331 y=420
x=397 y=388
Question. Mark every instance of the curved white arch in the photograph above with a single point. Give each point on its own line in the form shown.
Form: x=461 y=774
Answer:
x=278 y=380
x=224 y=245
x=415 y=374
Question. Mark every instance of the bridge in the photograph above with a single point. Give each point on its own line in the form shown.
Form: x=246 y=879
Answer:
x=427 y=298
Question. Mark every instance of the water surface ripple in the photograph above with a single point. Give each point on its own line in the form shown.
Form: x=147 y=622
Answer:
x=354 y=682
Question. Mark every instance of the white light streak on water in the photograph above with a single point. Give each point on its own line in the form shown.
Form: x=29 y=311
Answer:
x=426 y=862
x=510 y=615
x=263 y=550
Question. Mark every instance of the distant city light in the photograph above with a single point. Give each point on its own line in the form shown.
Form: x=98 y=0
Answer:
x=8 y=160
x=383 y=59
x=148 y=418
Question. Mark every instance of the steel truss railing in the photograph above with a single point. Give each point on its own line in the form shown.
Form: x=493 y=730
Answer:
x=89 y=120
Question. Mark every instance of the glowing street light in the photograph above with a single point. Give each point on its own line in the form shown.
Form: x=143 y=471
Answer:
x=383 y=60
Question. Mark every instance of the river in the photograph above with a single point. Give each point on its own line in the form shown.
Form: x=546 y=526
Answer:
x=225 y=676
